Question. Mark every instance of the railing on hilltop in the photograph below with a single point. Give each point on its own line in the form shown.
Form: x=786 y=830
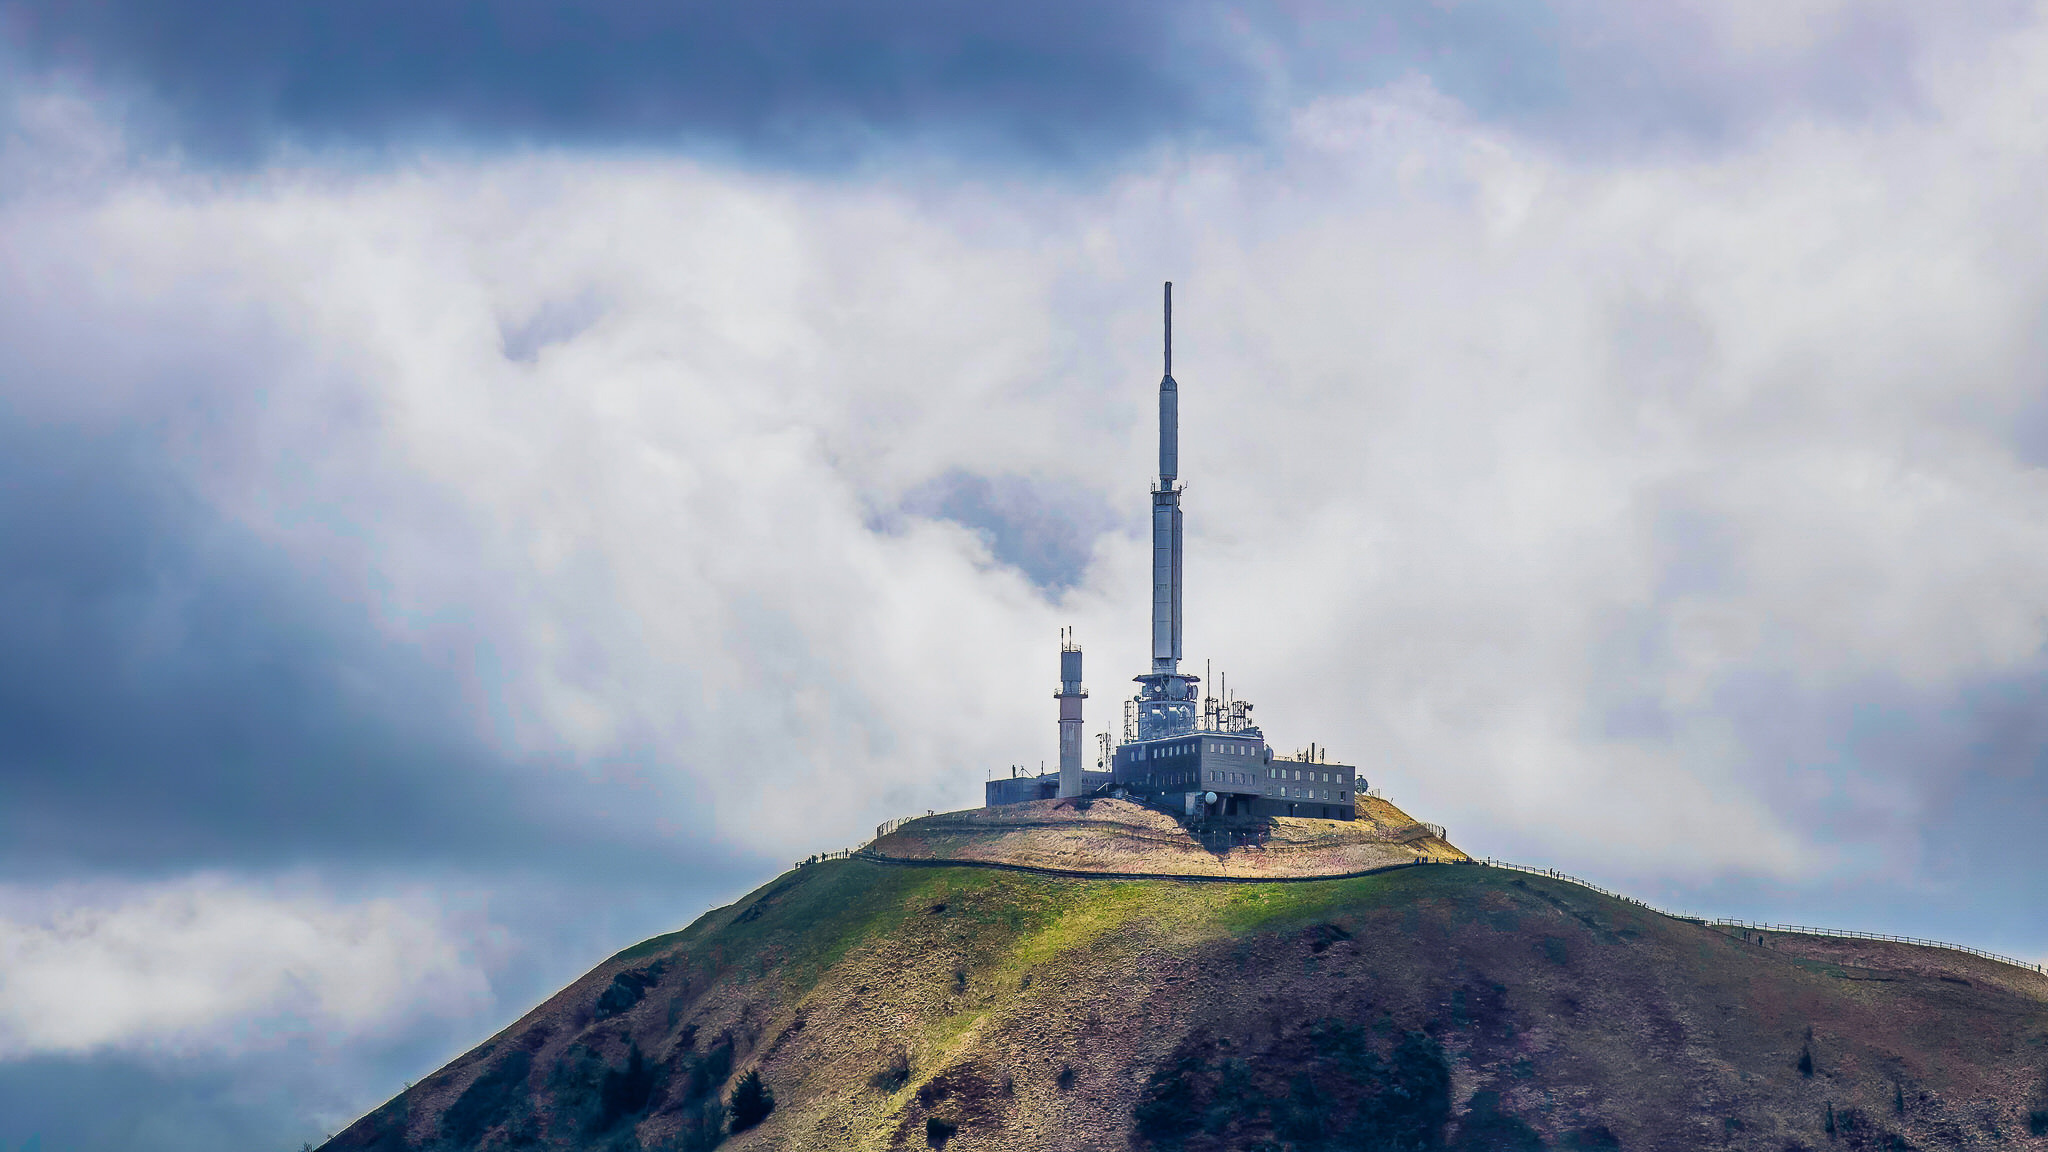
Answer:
x=1554 y=874
x=1787 y=929
x=1853 y=934
x=1437 y=830
x=888 y=826
x=881 y=830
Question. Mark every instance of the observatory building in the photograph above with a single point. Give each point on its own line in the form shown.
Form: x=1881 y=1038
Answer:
x=1188 y=750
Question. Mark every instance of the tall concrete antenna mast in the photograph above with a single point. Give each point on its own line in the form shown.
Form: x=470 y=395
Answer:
x=1166 y=520
x=1165 y=704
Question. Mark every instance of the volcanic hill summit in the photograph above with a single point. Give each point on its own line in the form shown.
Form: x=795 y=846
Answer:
x=1091 y=976
x=1206 y=946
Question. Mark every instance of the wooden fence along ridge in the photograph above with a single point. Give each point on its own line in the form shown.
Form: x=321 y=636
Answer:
x=1437 y=830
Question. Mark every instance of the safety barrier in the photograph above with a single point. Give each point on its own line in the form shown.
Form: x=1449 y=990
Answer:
x=1437 y=830
x=1554 y=874
x=881 y=830
x=888 y=826
x=1853 y=934
x=1789 y=929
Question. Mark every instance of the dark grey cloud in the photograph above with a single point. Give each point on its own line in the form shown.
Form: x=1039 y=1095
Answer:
x=175 y=692
x=803 y=77
x=1044 y=529
x=834 y=81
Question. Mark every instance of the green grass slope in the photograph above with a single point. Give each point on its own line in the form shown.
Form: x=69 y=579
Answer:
x=893 y=1006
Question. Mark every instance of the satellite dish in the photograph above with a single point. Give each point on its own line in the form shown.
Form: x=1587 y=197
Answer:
x=1208 y=797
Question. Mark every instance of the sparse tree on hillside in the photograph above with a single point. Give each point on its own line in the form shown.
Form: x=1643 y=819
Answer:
x=752 y=1101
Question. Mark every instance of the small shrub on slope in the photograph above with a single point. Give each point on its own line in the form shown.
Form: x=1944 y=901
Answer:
x=490 y=1100
x=1488 y=1129
x=894 y=1073
x=1168 y=1108
x=624 y=1091
x=752 y=1101
x=628 y=988
x=1333 y=1092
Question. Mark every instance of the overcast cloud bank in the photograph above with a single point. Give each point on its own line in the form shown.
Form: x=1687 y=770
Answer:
x=1676 y=516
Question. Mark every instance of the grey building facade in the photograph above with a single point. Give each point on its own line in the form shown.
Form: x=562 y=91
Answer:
x=1018 y=789
x=1238 y=769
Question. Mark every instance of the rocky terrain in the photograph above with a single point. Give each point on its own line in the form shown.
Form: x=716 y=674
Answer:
x=935 y=1002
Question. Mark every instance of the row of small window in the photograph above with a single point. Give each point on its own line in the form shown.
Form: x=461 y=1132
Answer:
x=1217 y=776
x=1342 y=795
x=1187 y=748
x=1163 y=780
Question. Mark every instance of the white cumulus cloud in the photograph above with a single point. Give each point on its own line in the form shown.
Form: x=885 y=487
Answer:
x=209 y=964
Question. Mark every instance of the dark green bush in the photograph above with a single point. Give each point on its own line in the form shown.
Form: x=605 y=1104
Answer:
x=694 y=1076
x=703 y=1128
x=937 y=1131
x=1414 y=1101
x=1340 y=1094
x=490 y=1100
x=628 y=988
x=752 y=1101
x=1169 y=1107
x=624 y=1091
x=2037 y=1122
x=1305 y=1118
x=1236 y=1098
x=1488 y=1129
x=1321 y=936
x=894 y=1073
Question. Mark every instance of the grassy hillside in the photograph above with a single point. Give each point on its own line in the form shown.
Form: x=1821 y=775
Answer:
x=890 y=1006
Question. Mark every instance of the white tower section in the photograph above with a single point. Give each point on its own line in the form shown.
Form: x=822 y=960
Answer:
x=1165 y=705
x=1070 y=696
x=1166 y=519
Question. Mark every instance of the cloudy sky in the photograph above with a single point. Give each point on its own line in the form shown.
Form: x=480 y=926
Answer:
x=483 y=482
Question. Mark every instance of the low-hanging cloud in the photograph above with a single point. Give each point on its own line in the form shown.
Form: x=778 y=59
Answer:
x=207 y=964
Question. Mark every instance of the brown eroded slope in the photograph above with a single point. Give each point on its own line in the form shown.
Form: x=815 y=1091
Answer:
x=893 y=1006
